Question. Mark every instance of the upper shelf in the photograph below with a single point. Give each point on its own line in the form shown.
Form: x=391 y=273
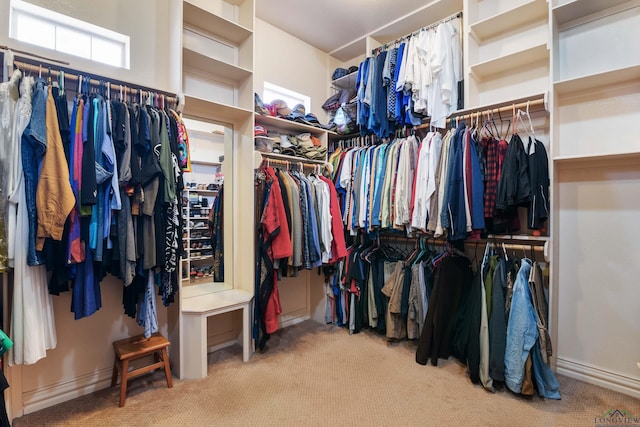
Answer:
x=214 y=24
x=578 y=161
x=345 y=82
x=287 y=125
x=576 y=9
x=597 y=80
x=214 y=111
x=505 y=63
x=214 y=66
x=531 y=11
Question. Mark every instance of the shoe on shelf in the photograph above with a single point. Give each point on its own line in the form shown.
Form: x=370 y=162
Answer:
x=193 y=271
x=198 y=224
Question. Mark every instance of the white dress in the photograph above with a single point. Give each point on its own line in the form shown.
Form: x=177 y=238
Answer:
x=32 y=322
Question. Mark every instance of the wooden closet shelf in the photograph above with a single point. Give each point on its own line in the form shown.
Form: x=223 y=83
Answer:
x=531 y=11
x=597 y=80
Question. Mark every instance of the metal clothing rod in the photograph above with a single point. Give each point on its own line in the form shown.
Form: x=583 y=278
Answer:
x=426 y=27
x=535 y=105
x=288 y=164
x=53 y=70
x=536 y=244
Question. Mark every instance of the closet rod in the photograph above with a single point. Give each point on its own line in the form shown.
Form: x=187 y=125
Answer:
x=535 y=105
x=289 y=163
x=426 y=27
x=513 y=243
x=94 y=80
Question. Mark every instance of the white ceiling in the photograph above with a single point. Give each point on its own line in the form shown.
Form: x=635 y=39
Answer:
x=340 y=27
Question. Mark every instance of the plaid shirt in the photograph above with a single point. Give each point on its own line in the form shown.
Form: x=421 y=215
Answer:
x=492 y=173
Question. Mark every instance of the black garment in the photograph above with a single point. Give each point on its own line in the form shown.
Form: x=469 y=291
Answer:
x=89 y=189
x=498 y=323
x=55 y=251
x=465 y=344
x=377 y=270
x=514 y=188
x=150 y=161
x=453 y=277
x=134 y=124
x=131 y=293
x=62 y=109
x=4 y=384
x=404 y=298
x=264 y=273
x=118 y=119
x=538 y=211
x=160 y=223
x=354 y=281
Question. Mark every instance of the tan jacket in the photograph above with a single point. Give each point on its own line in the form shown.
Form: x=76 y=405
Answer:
x=54 y=197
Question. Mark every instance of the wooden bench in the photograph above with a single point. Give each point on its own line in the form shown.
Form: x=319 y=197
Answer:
x=195 y=311
x=136 y=347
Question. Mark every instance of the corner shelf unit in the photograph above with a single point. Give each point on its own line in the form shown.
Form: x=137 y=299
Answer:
x=590 y=93
x=290 y=127
x=216 y=51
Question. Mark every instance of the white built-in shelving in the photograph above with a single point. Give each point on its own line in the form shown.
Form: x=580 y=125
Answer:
x=506 y=50
x=217 y=67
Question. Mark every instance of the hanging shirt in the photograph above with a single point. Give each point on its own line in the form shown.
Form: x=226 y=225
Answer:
x=420 y=205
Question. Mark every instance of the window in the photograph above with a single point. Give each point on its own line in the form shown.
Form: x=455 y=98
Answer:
x=272 y=92
x=42 y=27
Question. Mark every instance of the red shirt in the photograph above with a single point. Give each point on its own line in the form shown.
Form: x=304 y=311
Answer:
x=274 y=221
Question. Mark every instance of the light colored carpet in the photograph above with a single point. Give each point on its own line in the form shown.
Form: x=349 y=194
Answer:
x=319 y=375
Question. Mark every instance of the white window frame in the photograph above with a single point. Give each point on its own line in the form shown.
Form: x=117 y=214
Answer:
x=20 y=8
x=292 y=98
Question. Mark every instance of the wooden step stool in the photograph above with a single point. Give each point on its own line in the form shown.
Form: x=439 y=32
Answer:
x=134 y=348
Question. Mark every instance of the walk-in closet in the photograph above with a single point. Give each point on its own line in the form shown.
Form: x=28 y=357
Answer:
x=224 y=212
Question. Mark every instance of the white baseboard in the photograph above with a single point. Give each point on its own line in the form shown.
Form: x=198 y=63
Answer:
x=66 y=390
x=292 y=320
x=616 y=381
x=221 y=345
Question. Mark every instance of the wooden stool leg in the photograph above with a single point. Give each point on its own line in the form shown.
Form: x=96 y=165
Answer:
x=124 y=380
x=114 y=376
x=167 y=369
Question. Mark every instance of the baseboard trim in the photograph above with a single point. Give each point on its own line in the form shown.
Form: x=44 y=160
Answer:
x=221 y=345
x=286 y=321
x=601 y=377
x=63 y=391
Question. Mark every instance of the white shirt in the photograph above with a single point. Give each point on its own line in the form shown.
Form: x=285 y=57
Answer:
x=420 y=204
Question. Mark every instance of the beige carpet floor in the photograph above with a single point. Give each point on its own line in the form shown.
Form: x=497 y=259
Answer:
x=318 y=375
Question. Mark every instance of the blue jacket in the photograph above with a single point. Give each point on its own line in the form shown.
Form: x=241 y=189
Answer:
x=522 y=338
x=454 y=205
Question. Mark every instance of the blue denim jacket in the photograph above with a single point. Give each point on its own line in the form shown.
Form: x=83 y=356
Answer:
x=522 y=337
x=33 y=147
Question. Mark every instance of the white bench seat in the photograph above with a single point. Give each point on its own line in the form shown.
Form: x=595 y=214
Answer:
x=195 y=311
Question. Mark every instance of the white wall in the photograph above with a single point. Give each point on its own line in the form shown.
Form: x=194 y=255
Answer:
x=598 y=292
x=285 y=61
x=146 y=22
